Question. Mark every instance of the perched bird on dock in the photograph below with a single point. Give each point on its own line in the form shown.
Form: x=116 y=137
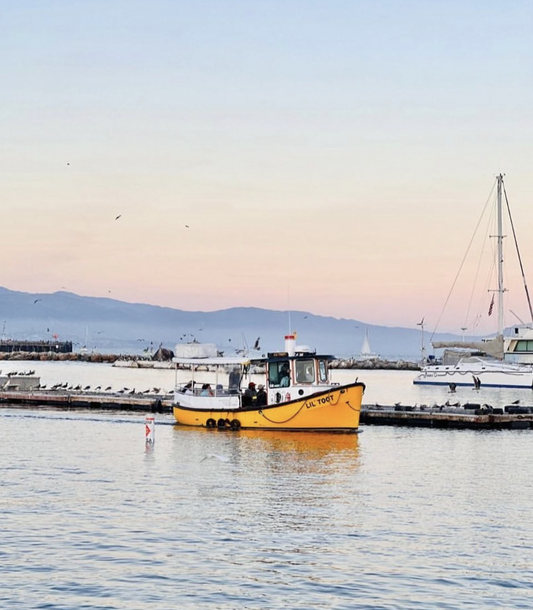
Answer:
x=108 y=388
x=451 y=404
x=452 y=387
x=132 y=391
x=78 y=387
x=97 y=388
x=87 y=387
x=516 y=402
x=156 y=390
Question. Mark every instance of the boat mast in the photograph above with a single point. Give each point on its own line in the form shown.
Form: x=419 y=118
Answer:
x=501 y=289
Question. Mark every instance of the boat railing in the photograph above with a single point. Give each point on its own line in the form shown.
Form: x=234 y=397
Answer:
x=216 y=391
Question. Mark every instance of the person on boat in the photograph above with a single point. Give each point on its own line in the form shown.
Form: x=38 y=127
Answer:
x=250 y=395
x=206 y=390
x=261 y=396
x=234 y=380
x=188 y=389
x=285 y=379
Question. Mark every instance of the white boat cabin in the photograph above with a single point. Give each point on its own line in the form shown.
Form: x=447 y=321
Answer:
x=233 y=383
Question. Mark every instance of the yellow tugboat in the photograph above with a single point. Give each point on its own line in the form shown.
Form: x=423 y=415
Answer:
x=296 y=394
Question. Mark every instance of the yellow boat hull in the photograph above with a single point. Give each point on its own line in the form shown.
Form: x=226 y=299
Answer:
x=334 y=410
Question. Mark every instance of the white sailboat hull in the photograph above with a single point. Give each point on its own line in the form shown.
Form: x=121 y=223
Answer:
x=494 y=374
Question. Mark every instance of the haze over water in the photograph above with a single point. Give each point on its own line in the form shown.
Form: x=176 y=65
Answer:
x=391 y=518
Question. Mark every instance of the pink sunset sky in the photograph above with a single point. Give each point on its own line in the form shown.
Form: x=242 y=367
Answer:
x=331 y=157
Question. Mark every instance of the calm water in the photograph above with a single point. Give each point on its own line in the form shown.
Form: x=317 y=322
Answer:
x=392 y=518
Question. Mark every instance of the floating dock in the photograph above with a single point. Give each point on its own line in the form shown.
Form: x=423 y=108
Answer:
x=151 y=403
x=468 y=416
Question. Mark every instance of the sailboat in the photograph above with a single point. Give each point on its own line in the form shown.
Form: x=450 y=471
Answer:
x=487 y=365
x=366 y=352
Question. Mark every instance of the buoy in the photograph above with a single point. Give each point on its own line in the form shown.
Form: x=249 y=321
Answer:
x=149 y=426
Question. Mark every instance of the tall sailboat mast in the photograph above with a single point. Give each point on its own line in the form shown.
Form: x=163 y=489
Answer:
x=501 y=289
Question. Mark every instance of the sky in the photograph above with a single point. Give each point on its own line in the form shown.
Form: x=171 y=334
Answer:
x=329 y=156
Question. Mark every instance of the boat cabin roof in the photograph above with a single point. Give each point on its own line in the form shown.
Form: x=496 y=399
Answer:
x=236 y=361
x=283 y=356
x=218 y=361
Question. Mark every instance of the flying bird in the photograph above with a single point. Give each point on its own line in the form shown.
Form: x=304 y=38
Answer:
x=187 y=227
x=36 y=301
x=117 y=217
x=256 y=344
x=220 y=458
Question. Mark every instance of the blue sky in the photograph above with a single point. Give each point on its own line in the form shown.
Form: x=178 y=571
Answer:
x=326 y=156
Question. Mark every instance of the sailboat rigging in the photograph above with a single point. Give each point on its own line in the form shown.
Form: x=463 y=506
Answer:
x=494 y=367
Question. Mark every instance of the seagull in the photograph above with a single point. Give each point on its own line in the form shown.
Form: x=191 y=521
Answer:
x=36 y=301
x=187 y=227
x=256 y=344
x=117 y=217
x=516 y=402
x=107 y=389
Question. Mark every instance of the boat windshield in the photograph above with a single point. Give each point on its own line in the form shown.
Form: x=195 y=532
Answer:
x=305 y=371
x=322 y=371
x=279 y=374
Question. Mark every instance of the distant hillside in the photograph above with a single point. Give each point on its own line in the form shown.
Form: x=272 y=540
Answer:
x=109 y=325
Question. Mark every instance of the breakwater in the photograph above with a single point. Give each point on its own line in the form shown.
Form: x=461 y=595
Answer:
x=374 y=364
x=127 y=360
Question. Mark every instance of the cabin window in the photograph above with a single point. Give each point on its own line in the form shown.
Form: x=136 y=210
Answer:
x=305 y=371
x=322 y=371
x=279 y=374
x=524 y=346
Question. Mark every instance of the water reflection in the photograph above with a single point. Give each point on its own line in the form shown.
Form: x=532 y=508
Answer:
x=306 y=444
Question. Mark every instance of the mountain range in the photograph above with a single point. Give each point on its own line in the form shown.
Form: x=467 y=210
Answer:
x=113 y=326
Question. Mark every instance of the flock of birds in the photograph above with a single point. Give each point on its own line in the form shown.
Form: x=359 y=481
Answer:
x=80 y=388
